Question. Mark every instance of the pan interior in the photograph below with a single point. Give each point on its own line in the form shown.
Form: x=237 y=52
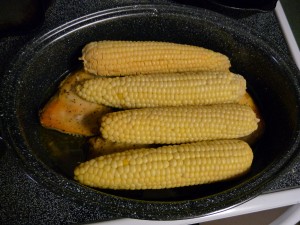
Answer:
x=269 y=82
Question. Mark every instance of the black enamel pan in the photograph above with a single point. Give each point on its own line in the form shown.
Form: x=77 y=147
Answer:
x=49 y=157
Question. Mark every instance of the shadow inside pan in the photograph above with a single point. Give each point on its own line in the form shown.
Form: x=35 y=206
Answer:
x=270 y=82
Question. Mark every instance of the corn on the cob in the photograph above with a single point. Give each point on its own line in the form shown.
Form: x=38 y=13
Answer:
x=168 y=166
x=177 y=89
x=115 y=58
x=170 y=125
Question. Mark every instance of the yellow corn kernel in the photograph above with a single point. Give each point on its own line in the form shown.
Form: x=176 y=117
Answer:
x=115 y=58
x=177 y=89
x=168 y=166
x=171 y=125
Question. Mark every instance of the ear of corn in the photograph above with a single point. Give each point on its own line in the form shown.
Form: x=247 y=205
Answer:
x=170 y=125
x=165 y=90
x=115 y=58
x=168 y=166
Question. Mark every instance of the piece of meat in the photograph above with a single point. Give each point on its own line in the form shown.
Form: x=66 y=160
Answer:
x=68 y=113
